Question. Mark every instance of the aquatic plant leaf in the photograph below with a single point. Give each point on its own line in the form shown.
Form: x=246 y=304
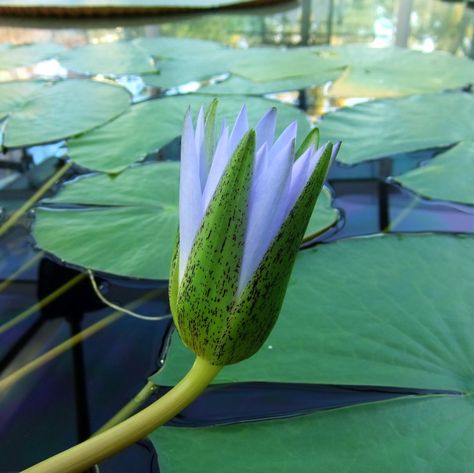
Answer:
x=14 y=94
x=236 y=85
x=411 y=434
x=404 y=124
x=286 y=64
x=448 y=176
x=324 y=216
x=55 y=111
x=135 y=215
x=124 y=57
x=148 y=126
x=170 y=47
x=124 y=225
x=393 y=72
x=110 y=7
x=189 y=69
x=378 y=311
x=27 y=55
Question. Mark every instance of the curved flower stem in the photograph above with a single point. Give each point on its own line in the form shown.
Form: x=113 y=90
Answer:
x=83 y=456
x=131 y=407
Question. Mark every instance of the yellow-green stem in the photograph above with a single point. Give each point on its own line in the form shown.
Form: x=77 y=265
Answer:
x=92 y=451
x=50 y=355
x=131 y=407
x=28 y=264
x=42 y=303
x=15 y=216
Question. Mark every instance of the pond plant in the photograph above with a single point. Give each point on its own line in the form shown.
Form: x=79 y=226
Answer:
x=380 y=323
x=245 y=203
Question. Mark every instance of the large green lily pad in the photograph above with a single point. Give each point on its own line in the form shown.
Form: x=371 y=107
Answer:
x=169 y=47
x=382 y=128
x=124 y=57
x=27 y=55
x=175 y=72
x=381 y=311
x=148 y=126
x=49 y=112
x=410 y=435
x=448 y=176
x=125 y=225
x=392 y=72
x=274 y=64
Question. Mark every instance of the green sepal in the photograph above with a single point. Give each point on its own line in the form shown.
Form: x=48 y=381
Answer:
x=203 y=311
x=260 y=302
x=210 y=129
x=312 y=138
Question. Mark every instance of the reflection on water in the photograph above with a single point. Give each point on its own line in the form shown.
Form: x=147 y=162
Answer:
x=89 y=384
x=425 y=25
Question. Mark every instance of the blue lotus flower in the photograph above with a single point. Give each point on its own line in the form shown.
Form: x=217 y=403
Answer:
x=241 y=221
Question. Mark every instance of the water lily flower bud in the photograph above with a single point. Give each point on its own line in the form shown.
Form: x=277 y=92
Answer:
x=242 y=216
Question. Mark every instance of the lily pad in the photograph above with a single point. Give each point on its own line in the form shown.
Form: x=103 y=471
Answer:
x=448 y=176
x=191 y=68
x=125 y=225
x=51 y=112
x=274 y=64
x=148 y=126
x=378 y=311
x=393 y=72
x=169 y=47
x=323 y=217
x=124 y=57
x=409 y=435
x=27 y=55
x=402 y=125
x=238 y=85
x=14 y=94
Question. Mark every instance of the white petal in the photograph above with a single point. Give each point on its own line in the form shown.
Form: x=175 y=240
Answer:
x=270 y=184
x=265 y=128
x=302 y=171
x=200 y=139
x=218 y=166
x=284 y=139
x=190 y=201
x=240 y=128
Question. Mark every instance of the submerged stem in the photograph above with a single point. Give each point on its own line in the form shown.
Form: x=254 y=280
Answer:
x=106 y=444
x=131 y=407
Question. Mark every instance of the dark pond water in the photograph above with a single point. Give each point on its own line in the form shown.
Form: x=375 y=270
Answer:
x=66 y=400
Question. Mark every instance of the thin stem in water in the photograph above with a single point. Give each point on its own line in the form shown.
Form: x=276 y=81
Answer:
x=131 y=407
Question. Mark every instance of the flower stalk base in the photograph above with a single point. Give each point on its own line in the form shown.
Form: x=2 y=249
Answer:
x=92 y=451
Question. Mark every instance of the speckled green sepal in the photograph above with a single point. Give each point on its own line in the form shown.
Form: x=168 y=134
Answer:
x=206 y=293
x=254 y=314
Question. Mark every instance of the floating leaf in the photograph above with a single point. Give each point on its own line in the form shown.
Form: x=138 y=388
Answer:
x=274 y=64
x=409 y=435
x=448 y=176
x=27 y=55
x=191 y=68
x=169 y=47
x=392 y=72
x=55 y=111
x=380 y=311
x=323 y=217
x=238 y=85
x=148 y=126
x=402 y=125
x=125 y=225
x=123 y=57
x=14 y=94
